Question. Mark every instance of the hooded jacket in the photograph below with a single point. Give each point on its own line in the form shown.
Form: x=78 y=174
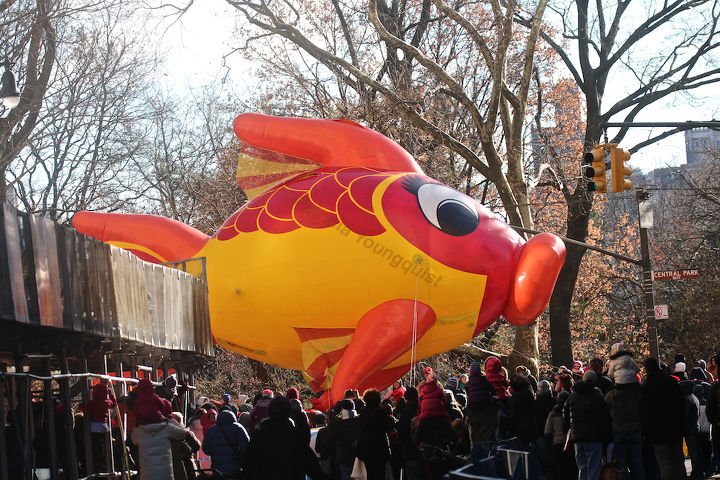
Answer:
x=479 y=390
x=431 y=399
x=259 y=412
x=102 y=401
x=226 y=442
x=586 y=414
x=623 y=369
x=153 y=441
x=149 y=407
x=494 y=373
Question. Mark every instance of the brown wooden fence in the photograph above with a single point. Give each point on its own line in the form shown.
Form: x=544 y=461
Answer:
x=56 y=277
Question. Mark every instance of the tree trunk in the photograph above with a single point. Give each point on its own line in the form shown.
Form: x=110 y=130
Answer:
x=577 y=225
x=525 y=350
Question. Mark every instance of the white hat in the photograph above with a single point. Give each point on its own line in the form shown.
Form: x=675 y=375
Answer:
x=242 y=398
x=679 y=367
x=202 y=400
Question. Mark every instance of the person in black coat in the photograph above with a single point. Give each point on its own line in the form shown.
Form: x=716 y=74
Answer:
x=521 y=420
x=586 y=414
x=374 y=445
x=410 y=455
x=278 y=450
x=663 y=418
x=300 y=419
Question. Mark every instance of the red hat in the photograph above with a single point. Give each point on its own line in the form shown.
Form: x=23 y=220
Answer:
x=428 y=370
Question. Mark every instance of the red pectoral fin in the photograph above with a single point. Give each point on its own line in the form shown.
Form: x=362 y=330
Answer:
x=381 y=336
x=540 y=262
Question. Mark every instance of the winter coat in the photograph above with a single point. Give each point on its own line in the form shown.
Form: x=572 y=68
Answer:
x=712 y=410
x=396 y=393
x=623 y=369
x=662 y=408
x=196 y=428
x=374 y=444
x=300 y=419
x=431 y=400
x=521 y=420
x=102 y=401
x=409 y=452
x=277 y=451
x=153 y=441
x=586 y=414
x=541 y=408
x=623 y=401
x=259 y=412
x=208 y=420
x=692 y=409
x=555 y=427
x=346 y=432
x=182 y=456
x=226 y=442
x=148 y=407
x=494 y=373
x=479 y=390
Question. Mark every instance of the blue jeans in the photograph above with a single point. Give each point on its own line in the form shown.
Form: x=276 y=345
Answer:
x=589 y=459
x=628 y=451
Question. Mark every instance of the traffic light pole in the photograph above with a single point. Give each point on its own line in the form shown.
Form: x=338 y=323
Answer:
x=647 y=281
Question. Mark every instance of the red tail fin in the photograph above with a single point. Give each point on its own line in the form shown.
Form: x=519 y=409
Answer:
x=150 y=237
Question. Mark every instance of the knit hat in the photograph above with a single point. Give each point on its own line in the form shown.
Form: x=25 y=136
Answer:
x=679 y=367
x=617 y=348
x=202 y=400
x=578 y=364
x=452 y=383
x=292 y=393
x=226 y=398
x=267 y=393
x=428 y=370
x=589 y=377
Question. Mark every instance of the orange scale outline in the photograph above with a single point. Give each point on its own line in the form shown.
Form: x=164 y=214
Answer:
x=279 y=218
x=349 y=190
x=320 y=206
x=257 y=226
x=309 y=198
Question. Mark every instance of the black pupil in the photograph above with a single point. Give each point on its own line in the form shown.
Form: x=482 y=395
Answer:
x=456 y=219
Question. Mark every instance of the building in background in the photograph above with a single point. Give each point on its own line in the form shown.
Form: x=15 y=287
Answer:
x=700 y=144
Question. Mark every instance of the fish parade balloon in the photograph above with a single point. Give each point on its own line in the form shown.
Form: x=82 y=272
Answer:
x=347 y=262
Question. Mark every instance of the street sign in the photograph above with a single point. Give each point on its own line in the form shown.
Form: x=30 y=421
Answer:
x=661 y=312
x=676 y=275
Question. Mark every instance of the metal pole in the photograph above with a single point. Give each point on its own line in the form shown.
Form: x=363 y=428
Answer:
x=50 y=419
x=3 y=442
x=647 y=282
x=71 y=468
x=89 y=466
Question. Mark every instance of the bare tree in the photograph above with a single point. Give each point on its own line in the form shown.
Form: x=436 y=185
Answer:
x=649 y=52
x=29 y=40
x=89 y=128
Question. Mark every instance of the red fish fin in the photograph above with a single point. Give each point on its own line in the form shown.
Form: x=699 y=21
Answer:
x=540 y=262
x=330 y=143
x=150 y=237
x=382 y=335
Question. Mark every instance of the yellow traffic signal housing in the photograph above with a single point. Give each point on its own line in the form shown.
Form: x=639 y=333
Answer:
x=619 y=170
x=594 y=167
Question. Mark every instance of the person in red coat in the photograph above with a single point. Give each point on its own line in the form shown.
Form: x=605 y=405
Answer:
x=98 y=410
x=397 y=391
x=498 y=378
x=431 y=398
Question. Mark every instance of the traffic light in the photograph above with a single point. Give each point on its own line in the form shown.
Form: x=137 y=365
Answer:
x=619 y=170
x=594 y=167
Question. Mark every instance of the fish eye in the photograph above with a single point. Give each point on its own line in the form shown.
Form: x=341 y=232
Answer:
x=447 y=210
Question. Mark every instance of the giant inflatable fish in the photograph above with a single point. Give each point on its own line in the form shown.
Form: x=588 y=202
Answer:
x=347 y=262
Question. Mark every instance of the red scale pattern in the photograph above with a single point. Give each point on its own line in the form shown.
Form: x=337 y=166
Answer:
x=317 y=199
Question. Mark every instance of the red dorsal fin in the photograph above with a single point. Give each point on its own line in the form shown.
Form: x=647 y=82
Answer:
x=276 y=148
x=149 y=236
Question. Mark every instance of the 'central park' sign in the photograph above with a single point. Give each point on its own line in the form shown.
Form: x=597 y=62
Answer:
x=676 y=275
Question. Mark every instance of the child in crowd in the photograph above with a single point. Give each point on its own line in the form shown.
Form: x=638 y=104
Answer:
x=623 y=369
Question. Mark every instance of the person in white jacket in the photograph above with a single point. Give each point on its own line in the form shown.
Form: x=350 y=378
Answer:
x=153 y=441
x=623 y=369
